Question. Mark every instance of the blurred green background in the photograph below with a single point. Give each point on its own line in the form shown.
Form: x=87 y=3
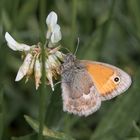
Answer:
x=109 y=31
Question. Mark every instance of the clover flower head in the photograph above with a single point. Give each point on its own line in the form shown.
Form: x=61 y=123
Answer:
x=32 y=64
x=53 y=33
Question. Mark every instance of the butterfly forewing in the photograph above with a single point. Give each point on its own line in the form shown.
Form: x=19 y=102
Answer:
x=110 y=81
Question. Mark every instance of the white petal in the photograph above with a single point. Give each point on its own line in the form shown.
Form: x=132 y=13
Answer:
x=56 y=34
x=60 y=55
x=23 y=47
x=49 y=74
x=37 y=65
x=31 y=67
x=51 y=19
x=24 y=67
x=14 y=45
x=11 y=42
x=37 y=73
x=48 y=34
x=53 y=61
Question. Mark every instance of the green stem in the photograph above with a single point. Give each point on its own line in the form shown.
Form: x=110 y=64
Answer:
x=43 y=16
x=42 y=100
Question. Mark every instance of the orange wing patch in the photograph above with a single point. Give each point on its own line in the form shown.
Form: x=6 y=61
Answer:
x=101 y=76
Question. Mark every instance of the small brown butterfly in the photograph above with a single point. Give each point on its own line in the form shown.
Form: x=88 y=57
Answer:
x=86 y=83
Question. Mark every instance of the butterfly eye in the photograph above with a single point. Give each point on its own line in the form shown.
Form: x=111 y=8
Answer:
x=78 y=67
x=116 y=79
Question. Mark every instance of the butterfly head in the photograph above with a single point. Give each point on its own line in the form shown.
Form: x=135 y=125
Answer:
x=71 y=63
x=69 y=58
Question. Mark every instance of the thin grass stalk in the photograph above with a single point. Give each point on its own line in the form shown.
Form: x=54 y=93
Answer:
x=73 y=24
x=2 y=113
x=15 y=11
x=106 y=26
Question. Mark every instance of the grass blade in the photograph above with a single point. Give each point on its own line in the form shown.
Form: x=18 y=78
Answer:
x=1 y=113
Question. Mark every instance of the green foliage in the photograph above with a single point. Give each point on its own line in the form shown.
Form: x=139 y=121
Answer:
x=46 y=131
x=1 y=113
x=109 y=31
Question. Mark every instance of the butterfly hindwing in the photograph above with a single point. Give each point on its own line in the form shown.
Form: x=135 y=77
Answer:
x=79 y=92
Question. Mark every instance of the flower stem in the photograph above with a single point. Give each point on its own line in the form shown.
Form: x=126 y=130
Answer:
x=42 y=19
x=42 y=98
x=42 y=94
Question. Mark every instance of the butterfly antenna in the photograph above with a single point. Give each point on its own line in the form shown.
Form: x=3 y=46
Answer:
x=78 y=40
x=59 y=82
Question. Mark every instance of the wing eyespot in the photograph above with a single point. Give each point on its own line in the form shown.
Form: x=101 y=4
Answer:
x=116 y=79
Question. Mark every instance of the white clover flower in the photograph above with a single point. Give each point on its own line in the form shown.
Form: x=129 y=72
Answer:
x=53 y=33
x=24 y=67
x=32 y=64
x=14 y=45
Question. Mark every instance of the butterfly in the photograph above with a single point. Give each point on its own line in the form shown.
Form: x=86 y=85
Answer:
x=85 y=84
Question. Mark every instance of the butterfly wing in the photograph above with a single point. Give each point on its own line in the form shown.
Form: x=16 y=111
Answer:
x=110 y=81
x=79 y=94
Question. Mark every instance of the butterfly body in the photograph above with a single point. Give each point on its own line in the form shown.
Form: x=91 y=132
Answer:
x=86 y=83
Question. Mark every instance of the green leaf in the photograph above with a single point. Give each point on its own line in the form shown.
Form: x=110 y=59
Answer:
x=46 y=131
x=136 y=128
